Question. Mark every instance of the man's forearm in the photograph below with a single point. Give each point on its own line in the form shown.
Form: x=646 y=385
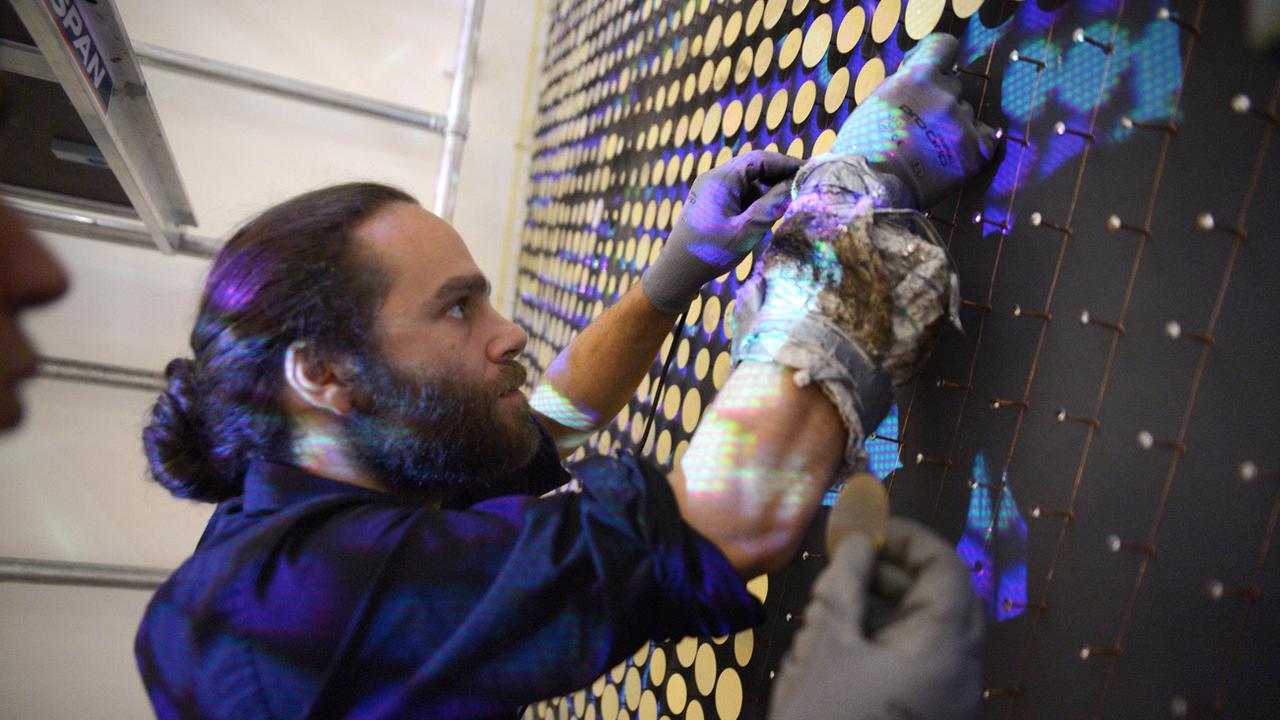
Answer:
x=595 y=375
x=758 y=466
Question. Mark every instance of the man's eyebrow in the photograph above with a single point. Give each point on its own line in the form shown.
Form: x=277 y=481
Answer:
x=463 y=285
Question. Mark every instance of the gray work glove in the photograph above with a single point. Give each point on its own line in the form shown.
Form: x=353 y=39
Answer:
x=924 y=661
x=916 y=130
x=728 y=211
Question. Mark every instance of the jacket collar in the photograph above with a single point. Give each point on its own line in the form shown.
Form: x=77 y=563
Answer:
x=272 y=486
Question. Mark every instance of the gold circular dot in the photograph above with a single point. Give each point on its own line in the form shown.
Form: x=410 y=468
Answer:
x=965 y=8
x=704 y=161
x=824 y=142
x=671 y=403
x=724 y=71
x=798 y=6
x=729 y=695
x=678 y=455
x=837 y=91
x=609 y=702
x=706 y=76
x=648 y=706
x=816 y=41
x=869 y=79
x=746 y=59
x=744 y=267
x=806 y=94
x=728 y=319
x=694 y=711
x=790 y=49
x=777 y=110
x=590 y=713
x=732 y=28
x=695 y=311
x=711 y=314
x=704 y=669
x=759 y=587
x=732 y=118
x=773 y=13
x=664 y=209
x=692 y=410
x=677 y=694
x=662 y=449
x=653 y=252
x=631 y=688
x=711 y=124
x=697 y=118
x=885 y=19
x=724 y=156
x=744 y=644
x=751 y=118
x=686 y=167
x=922 y=17
x=682 y=130
x=796 y=149
x=658 y=666
x=754 y=16
x=764 y=56
x=711 y=41
x=686 y=649
x=701 y=363
x=637 y=426
x=851 y=29
x=618 y=672
x=597 y=687
x=579 y=703
x=719 y=371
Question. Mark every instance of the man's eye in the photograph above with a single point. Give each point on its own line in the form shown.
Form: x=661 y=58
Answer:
x=457 y=310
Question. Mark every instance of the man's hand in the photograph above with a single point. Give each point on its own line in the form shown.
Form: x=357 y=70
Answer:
x=916 y=128
x=920 y=660
x=728 y=211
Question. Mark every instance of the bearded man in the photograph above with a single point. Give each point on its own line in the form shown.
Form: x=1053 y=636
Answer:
x=382 y=545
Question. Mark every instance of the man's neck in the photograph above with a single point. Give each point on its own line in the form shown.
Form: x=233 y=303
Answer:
x=322 y=450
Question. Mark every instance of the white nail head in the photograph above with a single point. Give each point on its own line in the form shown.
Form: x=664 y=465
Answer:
x=1241 y=103
x=1173 y=329
x=1113 y=543
x=1248 y=471
x=1084 y=317
x=1205 y=221
x=1114 y=223
x=1146 y=440
x=1036 y=219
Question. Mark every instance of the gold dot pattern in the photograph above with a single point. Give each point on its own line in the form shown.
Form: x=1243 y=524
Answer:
x=638 y=98
x=885 y=19
x=922 y=17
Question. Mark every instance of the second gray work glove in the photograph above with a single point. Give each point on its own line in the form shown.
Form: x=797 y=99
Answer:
x=922 y=661
x=728 y=211
x=915 y=129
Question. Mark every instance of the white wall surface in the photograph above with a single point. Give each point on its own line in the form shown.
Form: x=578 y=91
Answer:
x=74 y=474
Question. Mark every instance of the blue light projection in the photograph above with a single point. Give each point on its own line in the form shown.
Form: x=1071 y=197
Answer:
x=994 y=544
x=1079 y=85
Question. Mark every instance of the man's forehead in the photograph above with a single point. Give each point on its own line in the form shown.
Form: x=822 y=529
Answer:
x=415 y=245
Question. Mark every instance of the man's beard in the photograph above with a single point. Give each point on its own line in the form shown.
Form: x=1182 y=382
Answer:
x=436 y=434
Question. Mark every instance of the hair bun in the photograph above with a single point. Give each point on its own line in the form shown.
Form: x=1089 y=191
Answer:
x=177 y=449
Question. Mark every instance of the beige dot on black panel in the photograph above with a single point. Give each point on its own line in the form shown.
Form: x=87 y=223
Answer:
x=705 y=161
x=732 y=118
x=816 y=41
x=777 y=109
x=922 y=17
x=732 y=28
x=711 y=124
x=677 y=694
x=671 y=403
x=691 y=412
x=751 y=117
x=590 y=713
x=662 y=448
x=664 y=211
x=704 y=669
x=764 y=57
x=686 y=168
x=773 y=10
x=790 y=48
x=694 y=711
x=851 y=29
x=678 y=455
x=759 y=587
x=724 y=155
x=965 y=8
x=609 y=702
x=869 y=78
x=885 y=19
x=658 y=666
x=796 y=149
x=799 y=6
x=711 y=43
x=711 y=314
x=728 y=695
x=720 y=370
x=706 y=76
x=744 y=644
x=695 y=120
x=806 y=94
x=648 y=706
x=724 y=71
x=631 y=688
x=837 y=91
x=673 y=172
x=742 y=70
x=686 y=649
x=701 y=363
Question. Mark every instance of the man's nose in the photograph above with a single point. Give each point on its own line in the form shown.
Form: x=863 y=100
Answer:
x=509 y=341
x=28 y=273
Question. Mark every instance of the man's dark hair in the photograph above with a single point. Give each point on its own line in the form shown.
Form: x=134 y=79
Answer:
x=293 y=272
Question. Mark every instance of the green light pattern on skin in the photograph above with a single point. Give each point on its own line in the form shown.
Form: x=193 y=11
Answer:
x=555 y=406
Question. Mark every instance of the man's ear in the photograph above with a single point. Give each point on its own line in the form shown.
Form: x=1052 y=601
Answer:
x=317 y=379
